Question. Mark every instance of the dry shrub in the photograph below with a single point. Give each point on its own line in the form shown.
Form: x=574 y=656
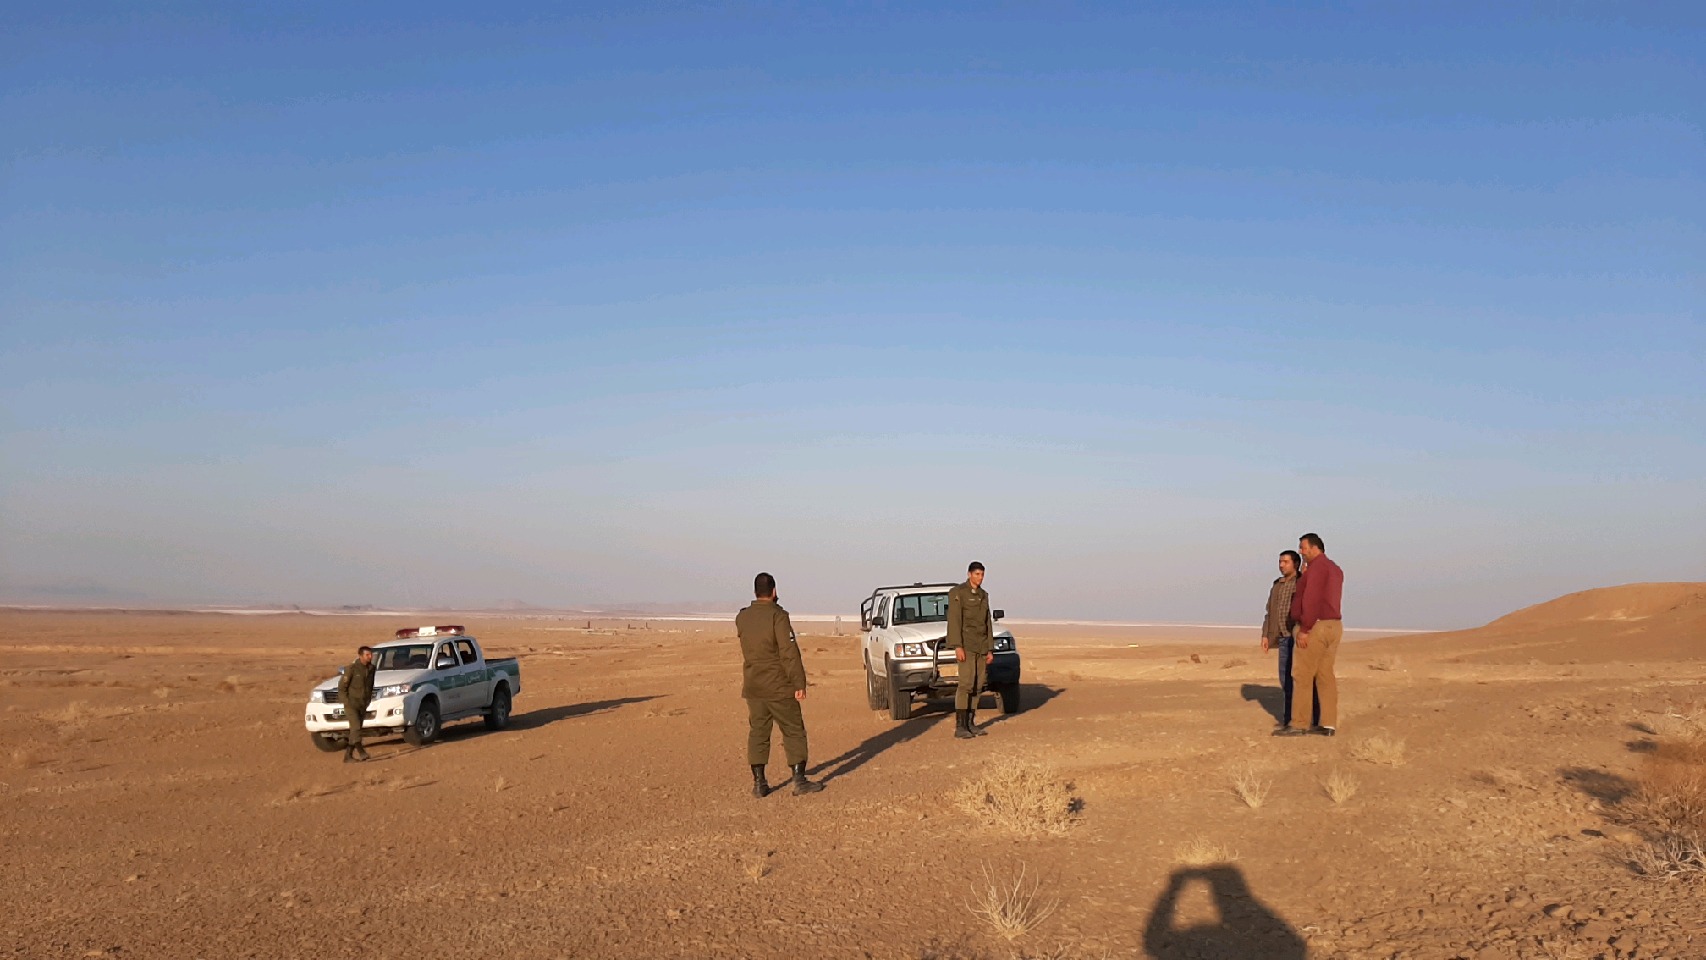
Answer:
x=1681 y=726
x=163 y=692
x=1387 y=663
x=1381 y=749
x=1250 y=786
x=1339 y=786
x=757 y=866
x=1012 y=908
x=1023 y=796
x=229 y=685
x=1203 y=852
x=71 y=714
x=28 y=755
x=502 y=785
x=1669 y=808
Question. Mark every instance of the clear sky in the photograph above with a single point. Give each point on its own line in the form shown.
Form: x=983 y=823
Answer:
x=445 y=304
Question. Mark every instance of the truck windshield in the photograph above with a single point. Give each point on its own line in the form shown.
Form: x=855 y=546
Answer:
x=415 y=656
x=921 y=608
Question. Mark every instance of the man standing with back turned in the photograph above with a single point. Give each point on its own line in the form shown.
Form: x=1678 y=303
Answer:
x=1320 y=627
x=773 y=681
x=971 y=632
x=355 y=692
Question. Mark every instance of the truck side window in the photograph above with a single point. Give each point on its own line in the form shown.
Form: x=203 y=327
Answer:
x=466 y=649
x=446 y=657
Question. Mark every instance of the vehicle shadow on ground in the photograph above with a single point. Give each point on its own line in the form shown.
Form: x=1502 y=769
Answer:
x=1271 y=699
x=534 y=719
x=1032 y=696
x=1246 y=927
x=901 y=732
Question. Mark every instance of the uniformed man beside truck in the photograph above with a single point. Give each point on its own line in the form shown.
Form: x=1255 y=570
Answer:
x=971 y=632
x=355 y=692
x=773 y=681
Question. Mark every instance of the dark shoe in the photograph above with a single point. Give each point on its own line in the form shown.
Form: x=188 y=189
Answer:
x=801 y=784
x=1290 y=731
x=361 y=754
x=349 y=754
x=971 y=724
x=1324 y=731
x=962 y=725
x=760 y=786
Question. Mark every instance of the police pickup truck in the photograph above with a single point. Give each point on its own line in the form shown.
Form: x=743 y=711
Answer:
x=905 y=649
x=426 y=678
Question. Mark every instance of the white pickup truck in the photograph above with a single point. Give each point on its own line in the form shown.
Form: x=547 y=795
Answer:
x=906 y=632
x=426 y=678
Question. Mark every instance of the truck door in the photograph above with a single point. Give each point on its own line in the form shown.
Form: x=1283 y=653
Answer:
x=447 y=675
x=476 y=681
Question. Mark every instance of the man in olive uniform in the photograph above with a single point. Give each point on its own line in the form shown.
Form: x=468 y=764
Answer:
x=773 y=681
x=971 y=632
x=355 y=692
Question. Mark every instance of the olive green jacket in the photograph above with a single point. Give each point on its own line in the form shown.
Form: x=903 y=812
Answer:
x=355 y=687
x=772 y=668
x=971 y=622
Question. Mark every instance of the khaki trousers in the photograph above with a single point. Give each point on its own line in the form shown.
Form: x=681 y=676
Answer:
x=761 y=716
x=1312 y=675
x=974 y=672
x=355 y=717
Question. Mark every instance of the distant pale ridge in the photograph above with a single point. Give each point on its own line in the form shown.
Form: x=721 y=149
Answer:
x=1632 y=622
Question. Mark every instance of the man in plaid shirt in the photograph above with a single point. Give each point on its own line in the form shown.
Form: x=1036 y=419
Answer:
x=1276 y=630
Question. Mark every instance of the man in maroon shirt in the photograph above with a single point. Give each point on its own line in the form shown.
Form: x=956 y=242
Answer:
x=1320 y=627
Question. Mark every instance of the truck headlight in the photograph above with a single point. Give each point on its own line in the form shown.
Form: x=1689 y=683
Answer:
x=1003 y=644
x=394 y=690
x=318 y=696
x=909 y=649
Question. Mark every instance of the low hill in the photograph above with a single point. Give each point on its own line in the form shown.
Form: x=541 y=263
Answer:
x=1632 y=622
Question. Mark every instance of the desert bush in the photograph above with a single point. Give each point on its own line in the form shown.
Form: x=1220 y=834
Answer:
x=1387 y=662
x=1250 y=786
x=1380 y=748
x=1339 y=786
x=1668 y=807
x=1202 y=852
x=1012 y=907
x=1681 y=726
x=28 y=755
x=501 y=785
x=1023 y=796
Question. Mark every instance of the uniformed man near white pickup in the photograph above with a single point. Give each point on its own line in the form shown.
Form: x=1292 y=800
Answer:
x=971 y=632
x=773 y=681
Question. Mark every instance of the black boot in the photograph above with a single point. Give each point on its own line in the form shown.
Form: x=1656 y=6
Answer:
x=760 y=786
x=349 y=754
x=971 y=724
x=361 y=753
x=801 y=784
x=962 y=725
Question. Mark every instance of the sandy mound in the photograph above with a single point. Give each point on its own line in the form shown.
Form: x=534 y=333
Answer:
x=1633 y=622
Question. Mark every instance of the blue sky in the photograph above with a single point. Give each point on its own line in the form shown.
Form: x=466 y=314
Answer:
x=411 y=304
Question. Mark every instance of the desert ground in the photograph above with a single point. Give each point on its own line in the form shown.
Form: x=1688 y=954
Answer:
x=1500 y=792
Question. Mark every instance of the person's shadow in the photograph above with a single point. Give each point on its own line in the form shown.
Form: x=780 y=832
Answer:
x=900 y=733
x=1271 y=699
x=1247 y=928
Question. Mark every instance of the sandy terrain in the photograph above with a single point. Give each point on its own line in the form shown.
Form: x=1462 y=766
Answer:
x=162 y=800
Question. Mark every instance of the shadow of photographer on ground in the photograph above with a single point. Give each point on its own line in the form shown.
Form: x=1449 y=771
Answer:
x=1247 y=928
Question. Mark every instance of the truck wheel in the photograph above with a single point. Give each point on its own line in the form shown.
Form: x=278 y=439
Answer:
x=900 y=701
x=326 y=742
x=498 y=716
x=425 y=728
x=875 y=692
x=1009 y=694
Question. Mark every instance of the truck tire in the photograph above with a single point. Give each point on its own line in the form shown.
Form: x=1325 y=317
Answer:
x=425 y=729
x=1009 y=695
x=327 y=742
x=876 y=692
x=900 y=701
x=498 y=716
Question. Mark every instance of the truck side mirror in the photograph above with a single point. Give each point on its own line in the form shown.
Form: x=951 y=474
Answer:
x=1000 y=613
x=877 y=622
